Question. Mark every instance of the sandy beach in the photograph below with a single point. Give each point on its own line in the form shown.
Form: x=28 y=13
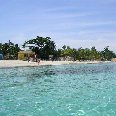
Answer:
x=19 y=63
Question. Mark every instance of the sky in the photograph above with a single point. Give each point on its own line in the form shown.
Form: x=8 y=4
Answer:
x=75 y=23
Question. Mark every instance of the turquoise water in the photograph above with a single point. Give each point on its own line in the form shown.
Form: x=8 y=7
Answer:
x=64 y=90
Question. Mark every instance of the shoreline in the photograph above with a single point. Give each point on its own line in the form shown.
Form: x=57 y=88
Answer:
x=20 y=63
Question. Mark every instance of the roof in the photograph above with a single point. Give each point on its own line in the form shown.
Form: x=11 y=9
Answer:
x=26 y=52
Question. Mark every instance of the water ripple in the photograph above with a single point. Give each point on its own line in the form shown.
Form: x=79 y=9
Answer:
x=64 y=90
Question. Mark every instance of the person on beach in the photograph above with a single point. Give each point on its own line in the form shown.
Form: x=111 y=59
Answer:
x=38 y=61
x=36 y=58
x=28 y=58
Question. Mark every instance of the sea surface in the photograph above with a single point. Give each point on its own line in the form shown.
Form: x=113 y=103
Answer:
x=60 y=90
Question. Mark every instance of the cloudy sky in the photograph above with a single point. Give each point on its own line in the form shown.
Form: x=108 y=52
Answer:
x=77 y=23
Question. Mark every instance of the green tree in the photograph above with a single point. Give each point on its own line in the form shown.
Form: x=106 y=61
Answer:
x=9 y=50
x=43 y=47
x=106 y=54
x=81 y=54
x=94 y=54
x=64 y=47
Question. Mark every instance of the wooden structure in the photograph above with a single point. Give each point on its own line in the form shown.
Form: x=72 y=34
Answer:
x=113 y=59
x=25 y=55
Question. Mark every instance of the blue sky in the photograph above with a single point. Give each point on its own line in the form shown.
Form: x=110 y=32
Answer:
x=77 y=23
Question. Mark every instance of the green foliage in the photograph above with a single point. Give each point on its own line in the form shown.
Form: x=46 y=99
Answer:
x=106 y=54
x=43 y=47
x=9 y=50
x=67 y=51
x=86 y=54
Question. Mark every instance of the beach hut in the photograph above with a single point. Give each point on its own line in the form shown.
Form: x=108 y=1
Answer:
x=24 y=55
x=113 y=59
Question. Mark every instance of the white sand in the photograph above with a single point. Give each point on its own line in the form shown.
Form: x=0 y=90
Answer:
x=17 y=63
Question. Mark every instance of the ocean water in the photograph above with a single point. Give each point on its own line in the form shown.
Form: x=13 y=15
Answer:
x=63 y=90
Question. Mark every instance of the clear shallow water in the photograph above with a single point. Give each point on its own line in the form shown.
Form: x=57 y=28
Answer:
x=64 y=90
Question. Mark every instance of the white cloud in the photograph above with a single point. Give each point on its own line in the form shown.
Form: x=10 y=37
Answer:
x=87 y=40
x=98 y=43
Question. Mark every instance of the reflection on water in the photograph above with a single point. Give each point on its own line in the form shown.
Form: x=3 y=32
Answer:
x=66 y=90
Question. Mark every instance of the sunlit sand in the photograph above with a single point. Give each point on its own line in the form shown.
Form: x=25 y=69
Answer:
x=19 y=63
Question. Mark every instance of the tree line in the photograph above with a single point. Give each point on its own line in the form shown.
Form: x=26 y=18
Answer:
x=45 y=47
x=82 y=54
